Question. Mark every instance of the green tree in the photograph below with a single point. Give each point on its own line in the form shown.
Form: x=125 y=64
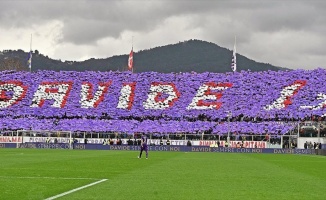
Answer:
x=12 y=64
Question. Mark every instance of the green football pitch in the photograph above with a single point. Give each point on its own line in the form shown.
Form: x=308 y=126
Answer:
x=92 y=174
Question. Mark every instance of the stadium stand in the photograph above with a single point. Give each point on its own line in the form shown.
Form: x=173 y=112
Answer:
x=241 y=102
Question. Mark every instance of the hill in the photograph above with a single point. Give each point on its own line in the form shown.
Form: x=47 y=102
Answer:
x=192 y=55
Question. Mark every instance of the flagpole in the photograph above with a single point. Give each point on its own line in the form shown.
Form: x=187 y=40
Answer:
x=235 y=51
x=132 y=49
x=235 y=40
x=31 y=42
x=234 y=56
x=30 y=51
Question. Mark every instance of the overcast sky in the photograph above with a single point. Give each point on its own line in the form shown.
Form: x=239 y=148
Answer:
x=286 y=33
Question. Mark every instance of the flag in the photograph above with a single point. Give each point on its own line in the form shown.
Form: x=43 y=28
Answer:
x=234 y=60
x=131 y=60
x=29 y=60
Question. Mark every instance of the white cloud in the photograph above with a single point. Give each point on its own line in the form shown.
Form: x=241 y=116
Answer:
x=282 y=33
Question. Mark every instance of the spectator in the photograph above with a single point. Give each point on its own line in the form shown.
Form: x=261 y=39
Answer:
x=111 y=141
x=119 y=141
x=310 y=145
x=226 y=144
x=105 y=142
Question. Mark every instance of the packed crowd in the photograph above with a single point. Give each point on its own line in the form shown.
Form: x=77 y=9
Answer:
x=243 y=102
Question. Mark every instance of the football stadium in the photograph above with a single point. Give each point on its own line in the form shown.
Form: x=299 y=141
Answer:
x=235 y=135
x=183 y=116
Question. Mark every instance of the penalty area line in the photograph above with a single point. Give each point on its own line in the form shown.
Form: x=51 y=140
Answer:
x=76 y=189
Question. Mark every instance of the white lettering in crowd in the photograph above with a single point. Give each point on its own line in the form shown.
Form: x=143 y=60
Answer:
x=91 y=101
x=156 y=98
x=58 y=92
x=126 y=97
x=286 y=94
x=18 y=92
x=207 y=96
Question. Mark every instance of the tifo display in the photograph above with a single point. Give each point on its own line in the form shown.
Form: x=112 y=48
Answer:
x=253 y=102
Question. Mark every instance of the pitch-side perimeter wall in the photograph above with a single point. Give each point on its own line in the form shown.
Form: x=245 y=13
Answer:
x=173 y=148
x=246 y=144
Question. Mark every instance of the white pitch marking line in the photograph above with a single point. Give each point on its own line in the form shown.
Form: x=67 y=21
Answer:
x=76 y=189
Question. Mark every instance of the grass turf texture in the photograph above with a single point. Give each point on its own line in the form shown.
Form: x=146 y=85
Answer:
x=40 y=173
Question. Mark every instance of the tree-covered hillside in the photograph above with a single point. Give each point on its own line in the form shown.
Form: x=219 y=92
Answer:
x=192 y=55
